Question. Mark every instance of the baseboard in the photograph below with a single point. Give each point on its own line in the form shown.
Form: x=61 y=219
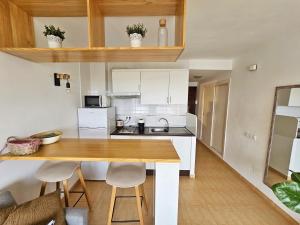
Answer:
x=255 y=189
x=181 y=173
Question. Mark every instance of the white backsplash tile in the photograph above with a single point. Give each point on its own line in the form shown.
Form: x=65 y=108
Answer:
x=175 y=114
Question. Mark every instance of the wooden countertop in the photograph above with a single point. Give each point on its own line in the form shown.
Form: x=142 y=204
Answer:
x=104 y=150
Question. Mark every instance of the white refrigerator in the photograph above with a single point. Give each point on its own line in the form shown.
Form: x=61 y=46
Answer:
x=95 y=123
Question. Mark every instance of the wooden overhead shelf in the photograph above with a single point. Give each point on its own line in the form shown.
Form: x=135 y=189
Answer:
x=17 y=33
x=166 y=54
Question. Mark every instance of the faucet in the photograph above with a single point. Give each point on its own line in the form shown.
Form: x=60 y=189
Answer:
x=167 y=123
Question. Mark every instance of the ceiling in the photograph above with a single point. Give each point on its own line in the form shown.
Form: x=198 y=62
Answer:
x=224 y=29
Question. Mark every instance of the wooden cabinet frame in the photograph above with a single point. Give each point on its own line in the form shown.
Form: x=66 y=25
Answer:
x=17 y=33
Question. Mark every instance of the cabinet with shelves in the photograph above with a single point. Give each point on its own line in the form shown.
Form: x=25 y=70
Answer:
x=164 y=87
x=126 y=81
x=17 y=33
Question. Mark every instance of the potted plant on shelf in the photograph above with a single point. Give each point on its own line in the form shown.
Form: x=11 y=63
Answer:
x=136 y=33
x=289 y=192
x=54 y=36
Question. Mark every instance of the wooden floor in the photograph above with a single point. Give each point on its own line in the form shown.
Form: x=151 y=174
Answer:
x=216 y=197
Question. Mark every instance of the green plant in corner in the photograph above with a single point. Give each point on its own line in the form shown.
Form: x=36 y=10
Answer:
x=51 y=30
x=136 y=28
x=289 y=192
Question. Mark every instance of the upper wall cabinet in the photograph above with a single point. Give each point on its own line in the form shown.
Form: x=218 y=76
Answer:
x=17 y=32
x=124 y=81
x=164 y=87
x=179 y=87
x=155 y=87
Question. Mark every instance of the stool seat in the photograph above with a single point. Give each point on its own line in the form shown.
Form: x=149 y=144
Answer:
x=61 y=171
x=126 y=175
x=56 y=171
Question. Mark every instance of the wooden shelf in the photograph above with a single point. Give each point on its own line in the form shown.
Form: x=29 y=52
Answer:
x=150 y=54
x=17 y=33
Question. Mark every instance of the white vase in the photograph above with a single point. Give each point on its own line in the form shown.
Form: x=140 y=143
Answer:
x=54 y=41
x=135 y=40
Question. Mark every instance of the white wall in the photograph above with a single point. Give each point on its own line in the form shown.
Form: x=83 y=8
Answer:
x=76 y=29
x=31 y=103
x=93 y=79
x=250 y=107
x=115 y=30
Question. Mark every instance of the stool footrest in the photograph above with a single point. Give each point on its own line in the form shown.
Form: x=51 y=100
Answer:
x=125 y=221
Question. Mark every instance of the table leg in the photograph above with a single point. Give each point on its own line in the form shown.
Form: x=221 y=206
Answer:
x=166 y=193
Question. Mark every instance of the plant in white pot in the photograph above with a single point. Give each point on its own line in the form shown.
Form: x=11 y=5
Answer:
x=54 y=36
x=136 y=33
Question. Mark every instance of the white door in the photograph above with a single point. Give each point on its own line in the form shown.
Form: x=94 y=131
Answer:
x=92 y=118
x=183 y=147
x=126 y=81
x=219 y=117
x=154 y=87
x=207 y=111
x=179 y=87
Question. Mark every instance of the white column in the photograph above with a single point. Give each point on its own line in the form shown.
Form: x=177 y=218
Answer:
x=193 y=157
x=166 y=193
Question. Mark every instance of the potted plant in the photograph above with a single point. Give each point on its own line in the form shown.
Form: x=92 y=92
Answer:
x=136 y=33
x=54 y=36
x=289 y=192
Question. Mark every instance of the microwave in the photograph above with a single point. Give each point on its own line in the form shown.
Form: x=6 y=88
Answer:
x=96 y=101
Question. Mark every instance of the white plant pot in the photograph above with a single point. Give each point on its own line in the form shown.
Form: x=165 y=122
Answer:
x=54 y=41
x=135 y=40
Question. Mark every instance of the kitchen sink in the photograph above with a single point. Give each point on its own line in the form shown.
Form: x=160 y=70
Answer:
x=159 y=130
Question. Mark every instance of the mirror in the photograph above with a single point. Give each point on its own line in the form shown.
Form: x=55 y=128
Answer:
x=284 y=145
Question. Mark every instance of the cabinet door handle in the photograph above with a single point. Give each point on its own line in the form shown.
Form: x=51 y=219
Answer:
x=168 y=100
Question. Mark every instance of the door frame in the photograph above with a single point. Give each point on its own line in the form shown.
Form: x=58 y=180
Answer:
x=218 y=84
x=202 y=95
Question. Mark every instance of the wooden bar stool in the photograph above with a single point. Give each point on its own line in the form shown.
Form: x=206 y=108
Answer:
x=127 y=175
x=56 y=172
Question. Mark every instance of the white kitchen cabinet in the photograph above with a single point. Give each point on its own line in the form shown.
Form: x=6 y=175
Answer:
x=126 y=81
x=154 y=87
x=183 y=147
x=178 y=87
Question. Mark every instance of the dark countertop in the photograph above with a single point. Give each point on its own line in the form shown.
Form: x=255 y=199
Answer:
x=173 y=131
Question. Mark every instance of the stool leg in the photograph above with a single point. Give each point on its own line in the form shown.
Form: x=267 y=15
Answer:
x=66 y=192
x=112 y=204
x=144 y=198
x=138 y=203
x=82 y=182
x=57 y=186
x=43 y=188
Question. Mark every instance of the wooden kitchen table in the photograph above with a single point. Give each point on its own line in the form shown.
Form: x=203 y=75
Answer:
x=160 y=152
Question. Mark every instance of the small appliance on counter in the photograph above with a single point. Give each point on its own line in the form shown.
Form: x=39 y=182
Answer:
x=96 y=101
x=141 y=126
x=119 y=124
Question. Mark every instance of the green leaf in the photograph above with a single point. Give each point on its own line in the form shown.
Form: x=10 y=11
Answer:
x=289 y=194
x=296 y=177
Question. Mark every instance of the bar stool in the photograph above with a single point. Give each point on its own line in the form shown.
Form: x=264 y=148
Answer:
x=56 y=172
x=127 y=175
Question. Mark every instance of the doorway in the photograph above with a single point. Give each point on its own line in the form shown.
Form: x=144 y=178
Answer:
x=220 y=117
x=192 y=100
x=214 y=106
